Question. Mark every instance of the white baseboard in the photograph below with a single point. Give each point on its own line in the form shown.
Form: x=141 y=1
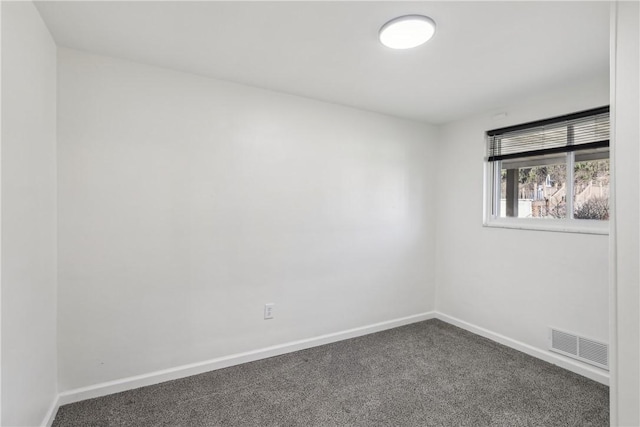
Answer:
x=183 y=371
x=51 y=413
x=553 y=358
x=156 y=377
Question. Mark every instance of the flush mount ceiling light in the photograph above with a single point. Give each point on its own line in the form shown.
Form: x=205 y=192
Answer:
x=407 y=31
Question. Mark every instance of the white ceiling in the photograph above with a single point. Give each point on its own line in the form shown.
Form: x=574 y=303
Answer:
x=483 y=56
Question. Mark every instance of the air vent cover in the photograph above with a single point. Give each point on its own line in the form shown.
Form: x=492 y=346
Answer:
x=580 y=348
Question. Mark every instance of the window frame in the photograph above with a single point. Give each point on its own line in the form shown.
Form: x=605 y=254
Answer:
x=492 y=182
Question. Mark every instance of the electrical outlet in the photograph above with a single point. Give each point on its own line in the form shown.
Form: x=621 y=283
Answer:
x=268 y=310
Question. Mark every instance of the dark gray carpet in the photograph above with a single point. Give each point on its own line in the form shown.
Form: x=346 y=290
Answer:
x=425 y=374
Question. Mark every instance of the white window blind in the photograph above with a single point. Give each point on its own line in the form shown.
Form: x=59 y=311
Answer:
x=584 y=130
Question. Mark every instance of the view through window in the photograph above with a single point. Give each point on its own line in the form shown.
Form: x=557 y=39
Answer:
x=554 y=169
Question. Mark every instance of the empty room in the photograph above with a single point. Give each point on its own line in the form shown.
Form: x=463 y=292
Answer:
x=325 y=213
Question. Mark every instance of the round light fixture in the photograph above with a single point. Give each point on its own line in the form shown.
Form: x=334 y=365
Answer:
x=407 y=31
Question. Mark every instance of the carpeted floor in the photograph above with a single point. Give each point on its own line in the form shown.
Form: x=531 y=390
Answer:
x=425 y=374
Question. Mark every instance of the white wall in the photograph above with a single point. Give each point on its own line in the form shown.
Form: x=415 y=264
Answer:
x=625 y=389
x=490 y=277
x=187 y=203
x=28 y=216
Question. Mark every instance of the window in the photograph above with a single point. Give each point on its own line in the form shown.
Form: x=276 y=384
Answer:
x=551 y=174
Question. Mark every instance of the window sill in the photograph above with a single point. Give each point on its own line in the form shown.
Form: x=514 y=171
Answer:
x=562 y=226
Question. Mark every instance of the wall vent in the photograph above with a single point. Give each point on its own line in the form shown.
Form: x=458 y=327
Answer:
x=580 y=348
